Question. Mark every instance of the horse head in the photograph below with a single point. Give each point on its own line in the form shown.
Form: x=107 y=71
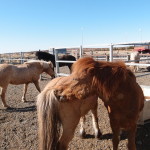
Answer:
x=49 y=68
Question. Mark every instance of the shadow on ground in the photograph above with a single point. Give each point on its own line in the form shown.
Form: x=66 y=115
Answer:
x=25 y=109
x=142 y=136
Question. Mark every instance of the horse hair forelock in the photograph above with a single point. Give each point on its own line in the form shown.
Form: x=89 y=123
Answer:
x=49 y=121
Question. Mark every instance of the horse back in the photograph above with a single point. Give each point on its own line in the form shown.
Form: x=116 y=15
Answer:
x=45 y=56
x=77 y=106
x=67 y=57
x=19 y=74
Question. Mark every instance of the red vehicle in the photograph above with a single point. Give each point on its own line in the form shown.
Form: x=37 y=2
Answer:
x=142 y=49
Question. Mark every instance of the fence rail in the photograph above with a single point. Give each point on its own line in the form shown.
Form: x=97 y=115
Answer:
x=79 y=53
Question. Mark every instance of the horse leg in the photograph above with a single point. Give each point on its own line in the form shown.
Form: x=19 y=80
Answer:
x=95 y=122
x=116 y=133
x=82 y=129
x=24 y=92
x=3 y=91
x=95 y=125
x=36 y=83
x=69 y=126
x=131 y=138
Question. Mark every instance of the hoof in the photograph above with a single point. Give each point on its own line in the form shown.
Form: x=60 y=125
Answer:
x=82 y=134
x=23 y=100
x=98 y=135
x=6 y=106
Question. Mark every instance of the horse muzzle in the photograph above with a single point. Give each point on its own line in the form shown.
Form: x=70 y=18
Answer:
x=53 y=76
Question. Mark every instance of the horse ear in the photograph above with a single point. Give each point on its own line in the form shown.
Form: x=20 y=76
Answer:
x=51 y=64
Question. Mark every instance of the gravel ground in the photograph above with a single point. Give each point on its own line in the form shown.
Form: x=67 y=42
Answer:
x=18 y=126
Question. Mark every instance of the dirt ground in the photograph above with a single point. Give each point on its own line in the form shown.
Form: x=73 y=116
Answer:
x=18 y=126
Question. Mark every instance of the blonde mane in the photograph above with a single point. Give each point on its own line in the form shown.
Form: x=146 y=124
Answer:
x=43 y=63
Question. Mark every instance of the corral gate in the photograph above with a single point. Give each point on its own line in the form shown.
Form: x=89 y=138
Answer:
x=110 y=46
x=58 y=61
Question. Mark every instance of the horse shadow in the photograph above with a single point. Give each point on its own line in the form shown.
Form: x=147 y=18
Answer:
x=142 y=136
x=107 y=136
x=25 y=109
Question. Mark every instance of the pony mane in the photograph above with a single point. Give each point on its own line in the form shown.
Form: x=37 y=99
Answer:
x=33 y=60
x=45 y=64
x=106 y=76
x=43 y=53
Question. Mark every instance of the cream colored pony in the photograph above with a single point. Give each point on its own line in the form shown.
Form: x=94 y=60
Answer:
x=26 y=73
x=51 y=112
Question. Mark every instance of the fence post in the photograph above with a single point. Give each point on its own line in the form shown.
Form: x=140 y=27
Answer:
x=56 y=58
x=51 y=51
x=107 y=57
x=128 y=57
x=22 y=57
x=9 y=58
x=81 y=51
x=91 y=52
x=111 y=53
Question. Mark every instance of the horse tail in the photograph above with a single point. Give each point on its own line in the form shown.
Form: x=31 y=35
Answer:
x=49 y=120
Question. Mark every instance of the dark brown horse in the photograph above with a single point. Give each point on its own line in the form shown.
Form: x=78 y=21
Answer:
x=111 y=81
x=49 y=57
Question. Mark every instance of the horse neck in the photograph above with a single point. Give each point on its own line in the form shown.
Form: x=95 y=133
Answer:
x=44 y=69
x=107 y=85
x=40 y=68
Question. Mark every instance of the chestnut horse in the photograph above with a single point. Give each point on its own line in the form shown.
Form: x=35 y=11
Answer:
x=64 y=103
x=26 y=73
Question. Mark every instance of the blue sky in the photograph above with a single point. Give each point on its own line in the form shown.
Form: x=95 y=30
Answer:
x=27 y=25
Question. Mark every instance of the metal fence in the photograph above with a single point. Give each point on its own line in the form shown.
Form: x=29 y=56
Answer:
x=108 y=57
x=16 y=58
